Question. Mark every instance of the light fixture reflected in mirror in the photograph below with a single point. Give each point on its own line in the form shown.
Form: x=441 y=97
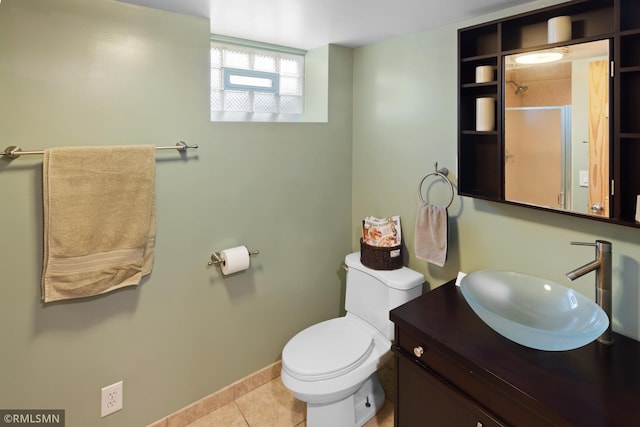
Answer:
x=541 y=57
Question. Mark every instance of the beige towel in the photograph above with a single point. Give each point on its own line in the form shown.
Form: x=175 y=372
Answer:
x=99 y=219
x=431 y=233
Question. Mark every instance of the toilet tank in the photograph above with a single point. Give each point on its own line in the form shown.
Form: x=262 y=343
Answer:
x=371 y=294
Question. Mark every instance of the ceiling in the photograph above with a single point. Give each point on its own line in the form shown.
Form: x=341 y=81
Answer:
x=307 y=24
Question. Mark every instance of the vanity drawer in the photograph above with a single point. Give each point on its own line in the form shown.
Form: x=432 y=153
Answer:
x=494 y=395
x=425 y=400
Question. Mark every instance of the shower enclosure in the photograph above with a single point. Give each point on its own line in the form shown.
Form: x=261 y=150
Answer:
x=538 y=156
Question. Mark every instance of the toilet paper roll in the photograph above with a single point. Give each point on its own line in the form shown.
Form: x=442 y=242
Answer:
x=234 y=259
x=485 y=114
x=484 y=73
x=559 y=29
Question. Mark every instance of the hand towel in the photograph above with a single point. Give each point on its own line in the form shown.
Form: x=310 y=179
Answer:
x=431 y=238
x=99 y=219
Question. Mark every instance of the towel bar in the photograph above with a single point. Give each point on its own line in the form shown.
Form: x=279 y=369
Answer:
x=13 y=152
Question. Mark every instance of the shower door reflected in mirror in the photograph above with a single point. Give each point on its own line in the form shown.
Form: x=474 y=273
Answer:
x=538 y=156
x=556 y=130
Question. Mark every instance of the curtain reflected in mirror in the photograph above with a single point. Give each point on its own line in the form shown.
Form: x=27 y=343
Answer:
x=556 y=130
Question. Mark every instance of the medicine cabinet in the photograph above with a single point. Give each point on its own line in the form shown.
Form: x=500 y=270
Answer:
x=483 y=153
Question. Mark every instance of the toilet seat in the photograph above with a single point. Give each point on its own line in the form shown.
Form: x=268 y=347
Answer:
x=327 y=350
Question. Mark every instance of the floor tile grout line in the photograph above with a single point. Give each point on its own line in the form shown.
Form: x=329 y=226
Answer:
x=244 y=417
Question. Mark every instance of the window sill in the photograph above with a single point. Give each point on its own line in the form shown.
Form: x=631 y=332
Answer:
x=264 y=118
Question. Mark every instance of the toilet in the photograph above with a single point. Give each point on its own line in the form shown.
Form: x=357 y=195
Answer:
x=332 y=365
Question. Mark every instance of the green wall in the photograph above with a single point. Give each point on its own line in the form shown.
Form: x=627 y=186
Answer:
x=405 y=118
x=100 y=72
x=74 y=72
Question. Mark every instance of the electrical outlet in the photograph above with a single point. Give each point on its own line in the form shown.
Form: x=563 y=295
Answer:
x=111 y=399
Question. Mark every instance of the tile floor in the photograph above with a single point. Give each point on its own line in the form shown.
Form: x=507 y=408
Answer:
x=273 y=405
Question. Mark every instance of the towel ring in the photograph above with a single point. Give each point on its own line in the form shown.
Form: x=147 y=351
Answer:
x=442 y=173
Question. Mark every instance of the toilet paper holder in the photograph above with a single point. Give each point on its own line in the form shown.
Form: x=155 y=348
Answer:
x=216 y=259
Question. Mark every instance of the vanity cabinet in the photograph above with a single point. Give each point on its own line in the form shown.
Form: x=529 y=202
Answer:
x=453 y=370
x=481 y=153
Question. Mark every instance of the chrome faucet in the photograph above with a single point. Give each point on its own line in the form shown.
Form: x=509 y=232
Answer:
x=602 y=266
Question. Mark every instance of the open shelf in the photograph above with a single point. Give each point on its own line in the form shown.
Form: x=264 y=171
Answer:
x=629 y=15
x=629 y=188
x=479 y=41
x=630 y=102
x=481 y=164
x=630 y=50
x=588 y=19
x=468 y=72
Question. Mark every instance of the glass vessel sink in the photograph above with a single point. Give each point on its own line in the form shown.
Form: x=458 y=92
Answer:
x=533 y=311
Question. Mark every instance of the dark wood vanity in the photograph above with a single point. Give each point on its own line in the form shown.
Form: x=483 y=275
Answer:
x=454 y=370
x=481 y=153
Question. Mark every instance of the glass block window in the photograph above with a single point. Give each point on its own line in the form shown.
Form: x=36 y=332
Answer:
x=251 y=77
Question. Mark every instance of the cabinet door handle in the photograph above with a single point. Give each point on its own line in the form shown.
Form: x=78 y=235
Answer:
x=418 y=351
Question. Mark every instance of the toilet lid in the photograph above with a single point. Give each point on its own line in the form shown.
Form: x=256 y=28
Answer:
x=327 y=350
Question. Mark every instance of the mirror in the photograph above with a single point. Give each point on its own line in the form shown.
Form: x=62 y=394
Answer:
x=556 y=128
